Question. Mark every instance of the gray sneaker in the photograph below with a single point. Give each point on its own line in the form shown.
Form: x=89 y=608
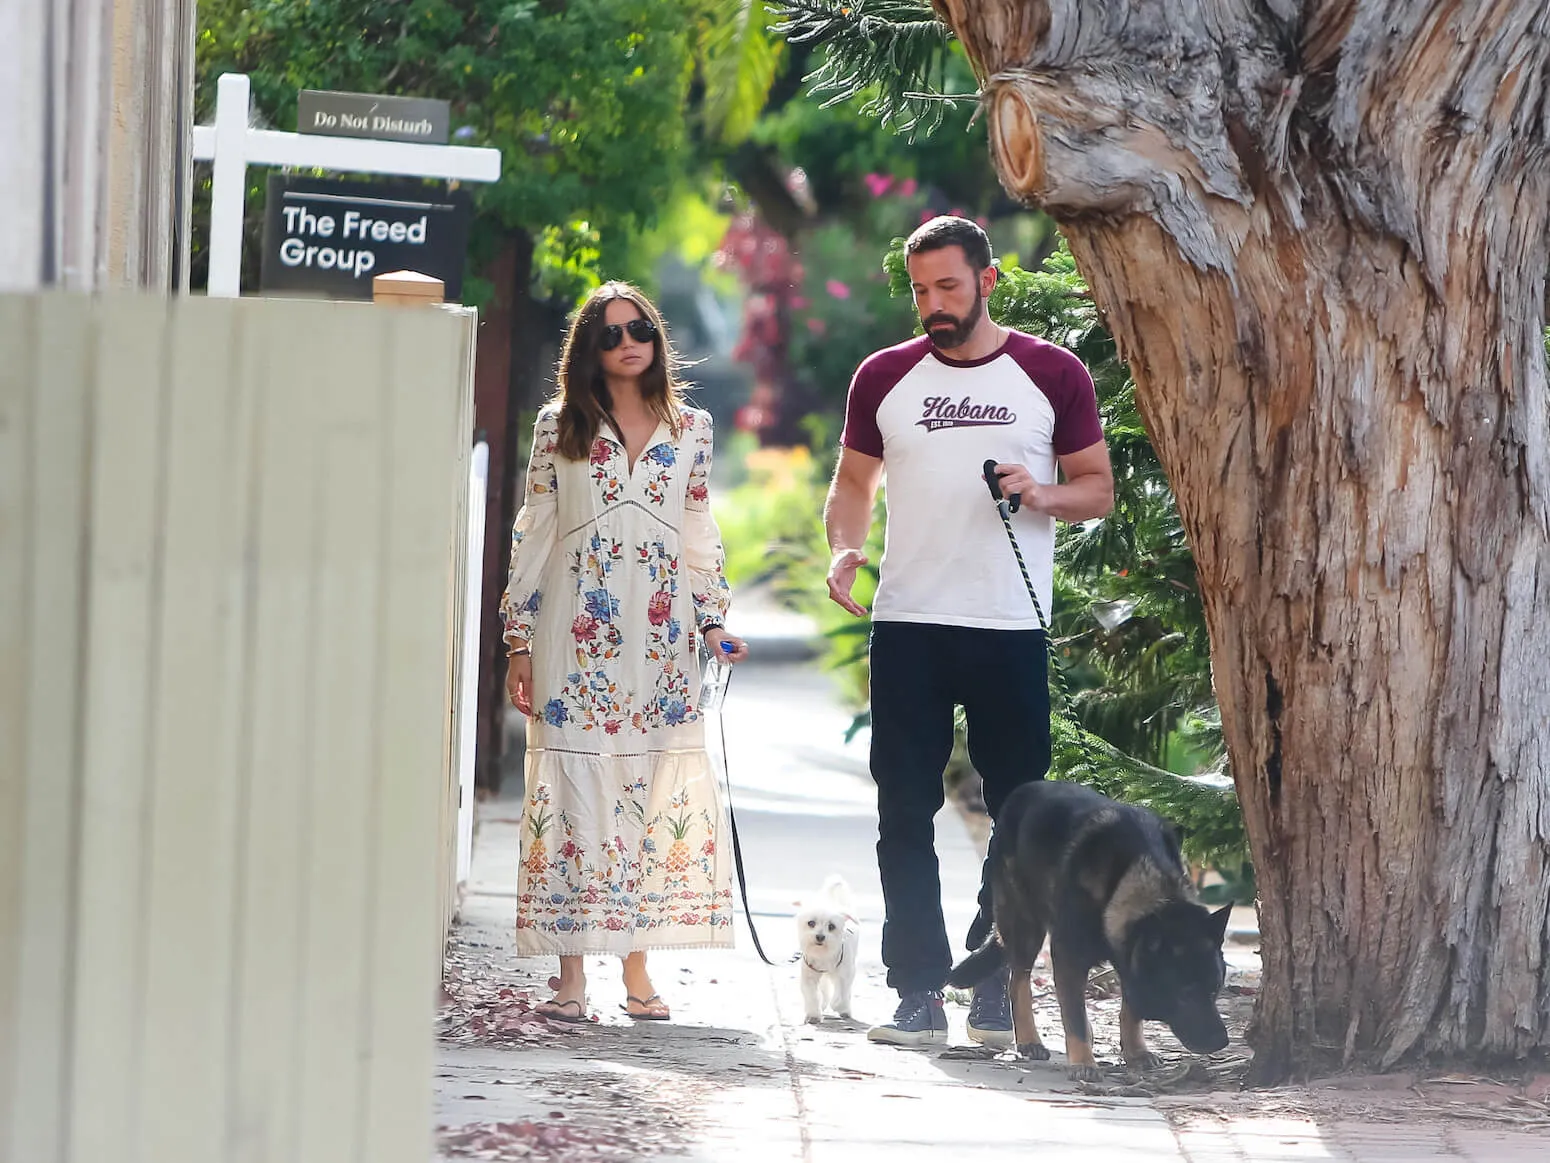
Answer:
x=920 y=1019
x=990 y=1014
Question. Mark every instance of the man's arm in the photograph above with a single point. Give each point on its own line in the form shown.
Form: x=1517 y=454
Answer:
x=847 y=519
x=1087 y=490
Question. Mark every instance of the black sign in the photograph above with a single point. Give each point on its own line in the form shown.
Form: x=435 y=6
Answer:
x=418 y=119
x=330 y=239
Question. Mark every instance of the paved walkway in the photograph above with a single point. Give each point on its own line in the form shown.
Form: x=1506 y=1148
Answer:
x=737 y=1075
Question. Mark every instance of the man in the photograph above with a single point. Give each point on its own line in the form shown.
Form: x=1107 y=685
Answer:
x=952 y=621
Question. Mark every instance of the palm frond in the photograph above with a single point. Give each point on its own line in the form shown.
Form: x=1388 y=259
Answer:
x=739 y=68
x=894 y=50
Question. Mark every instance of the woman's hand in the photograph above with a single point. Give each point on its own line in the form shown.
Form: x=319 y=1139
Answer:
x=519 y=682
x=715 y=636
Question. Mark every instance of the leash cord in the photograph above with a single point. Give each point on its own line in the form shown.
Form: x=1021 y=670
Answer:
x=1006 y=506
x=737 y=844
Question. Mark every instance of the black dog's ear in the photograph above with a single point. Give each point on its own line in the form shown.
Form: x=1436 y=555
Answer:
x=1220 y=919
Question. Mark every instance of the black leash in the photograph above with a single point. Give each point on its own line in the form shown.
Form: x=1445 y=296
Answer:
x=1006 y=506
x=737 y=844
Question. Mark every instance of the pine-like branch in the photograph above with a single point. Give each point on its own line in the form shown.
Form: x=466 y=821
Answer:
x=895 y=50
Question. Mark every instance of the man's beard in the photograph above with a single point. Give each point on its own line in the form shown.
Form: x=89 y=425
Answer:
x=945 y=338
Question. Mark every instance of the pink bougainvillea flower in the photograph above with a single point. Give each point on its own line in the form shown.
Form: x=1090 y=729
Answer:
x=878 y=184
x=908 y=187
x=816 y=326
x=838 y=289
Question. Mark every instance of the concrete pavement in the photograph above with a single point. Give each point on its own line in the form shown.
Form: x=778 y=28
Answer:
x=737 y=1075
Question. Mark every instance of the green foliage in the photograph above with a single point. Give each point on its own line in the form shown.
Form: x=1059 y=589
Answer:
x=847 y=307
x=565 y=261
x=740 y=61
x=768 y=521
x=836 y=147
x=584 y=100
x=895 y=53
x=1204 y=808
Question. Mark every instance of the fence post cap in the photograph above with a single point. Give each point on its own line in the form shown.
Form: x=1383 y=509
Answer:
x=407 y=288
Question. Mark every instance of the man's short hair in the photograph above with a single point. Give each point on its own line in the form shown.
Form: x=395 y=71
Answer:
x=950 y=230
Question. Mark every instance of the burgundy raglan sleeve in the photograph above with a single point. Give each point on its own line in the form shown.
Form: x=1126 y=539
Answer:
x=1077 y=425
x=867 y=388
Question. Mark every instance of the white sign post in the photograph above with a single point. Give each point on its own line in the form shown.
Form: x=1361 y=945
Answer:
x=233 y=147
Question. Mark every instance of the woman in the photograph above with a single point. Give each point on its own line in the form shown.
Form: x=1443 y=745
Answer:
x=616 y=578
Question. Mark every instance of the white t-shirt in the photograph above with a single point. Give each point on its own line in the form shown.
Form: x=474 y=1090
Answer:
x=934 y=422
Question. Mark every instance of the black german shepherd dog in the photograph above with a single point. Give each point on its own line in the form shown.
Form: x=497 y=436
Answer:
x=1106 y=882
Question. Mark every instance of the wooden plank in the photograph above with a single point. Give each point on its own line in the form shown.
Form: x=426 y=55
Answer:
x=425 y=407
x=197 y=721
x=121 y=623
x=338 y=345
x=18 y=379
x=51 y=765
x=276 y=774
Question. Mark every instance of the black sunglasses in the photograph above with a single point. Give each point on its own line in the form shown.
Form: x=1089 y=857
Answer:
x=641 y=331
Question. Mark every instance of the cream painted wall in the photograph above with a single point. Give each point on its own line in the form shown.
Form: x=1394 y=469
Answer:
x=230 y=541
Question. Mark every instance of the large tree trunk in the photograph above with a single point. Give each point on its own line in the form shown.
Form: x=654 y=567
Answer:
x=1318 y=231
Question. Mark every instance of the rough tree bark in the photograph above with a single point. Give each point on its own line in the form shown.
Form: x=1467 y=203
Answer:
x=1318 y=230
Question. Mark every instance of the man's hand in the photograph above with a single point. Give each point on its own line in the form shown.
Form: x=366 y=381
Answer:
x=715 y=636
x=842 y=578
x=1086 y=492
x=1016 y=479
x=519 y=682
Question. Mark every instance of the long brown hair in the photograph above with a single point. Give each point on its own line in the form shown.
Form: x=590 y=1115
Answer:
x=583 y=391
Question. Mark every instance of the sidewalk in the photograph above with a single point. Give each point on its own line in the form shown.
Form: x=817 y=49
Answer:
x=737 y=1076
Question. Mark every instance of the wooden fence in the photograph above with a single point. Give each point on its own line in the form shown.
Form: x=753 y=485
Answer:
x=231 y=536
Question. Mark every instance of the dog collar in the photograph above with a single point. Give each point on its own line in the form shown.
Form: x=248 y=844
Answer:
x=837 y=964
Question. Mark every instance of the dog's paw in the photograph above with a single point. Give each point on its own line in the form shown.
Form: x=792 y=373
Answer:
x=1034 y=1051
x=1084 y=1074
x=1144 y=1061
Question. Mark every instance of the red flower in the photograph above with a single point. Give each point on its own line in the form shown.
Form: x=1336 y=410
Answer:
x=600 y=451
x=661 y=607
x=569 y=850
x=584 y=627
x=699 y=493
x=709 y=848
x=615 y=923
x=612 y=726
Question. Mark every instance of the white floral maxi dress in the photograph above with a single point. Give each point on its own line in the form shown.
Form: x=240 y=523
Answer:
x=614 y=574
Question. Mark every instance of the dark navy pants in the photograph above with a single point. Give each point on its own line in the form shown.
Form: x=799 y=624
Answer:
x=920 y=673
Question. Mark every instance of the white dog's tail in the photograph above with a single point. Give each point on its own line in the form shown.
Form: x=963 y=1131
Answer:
x=838 y=892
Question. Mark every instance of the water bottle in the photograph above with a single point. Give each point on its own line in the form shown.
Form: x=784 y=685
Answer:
x=713 y=686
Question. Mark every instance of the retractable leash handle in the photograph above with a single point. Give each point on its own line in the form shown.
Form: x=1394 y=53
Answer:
x=1014 y=502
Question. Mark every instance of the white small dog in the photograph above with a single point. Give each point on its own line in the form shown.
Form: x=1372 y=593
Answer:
x=830 y=939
